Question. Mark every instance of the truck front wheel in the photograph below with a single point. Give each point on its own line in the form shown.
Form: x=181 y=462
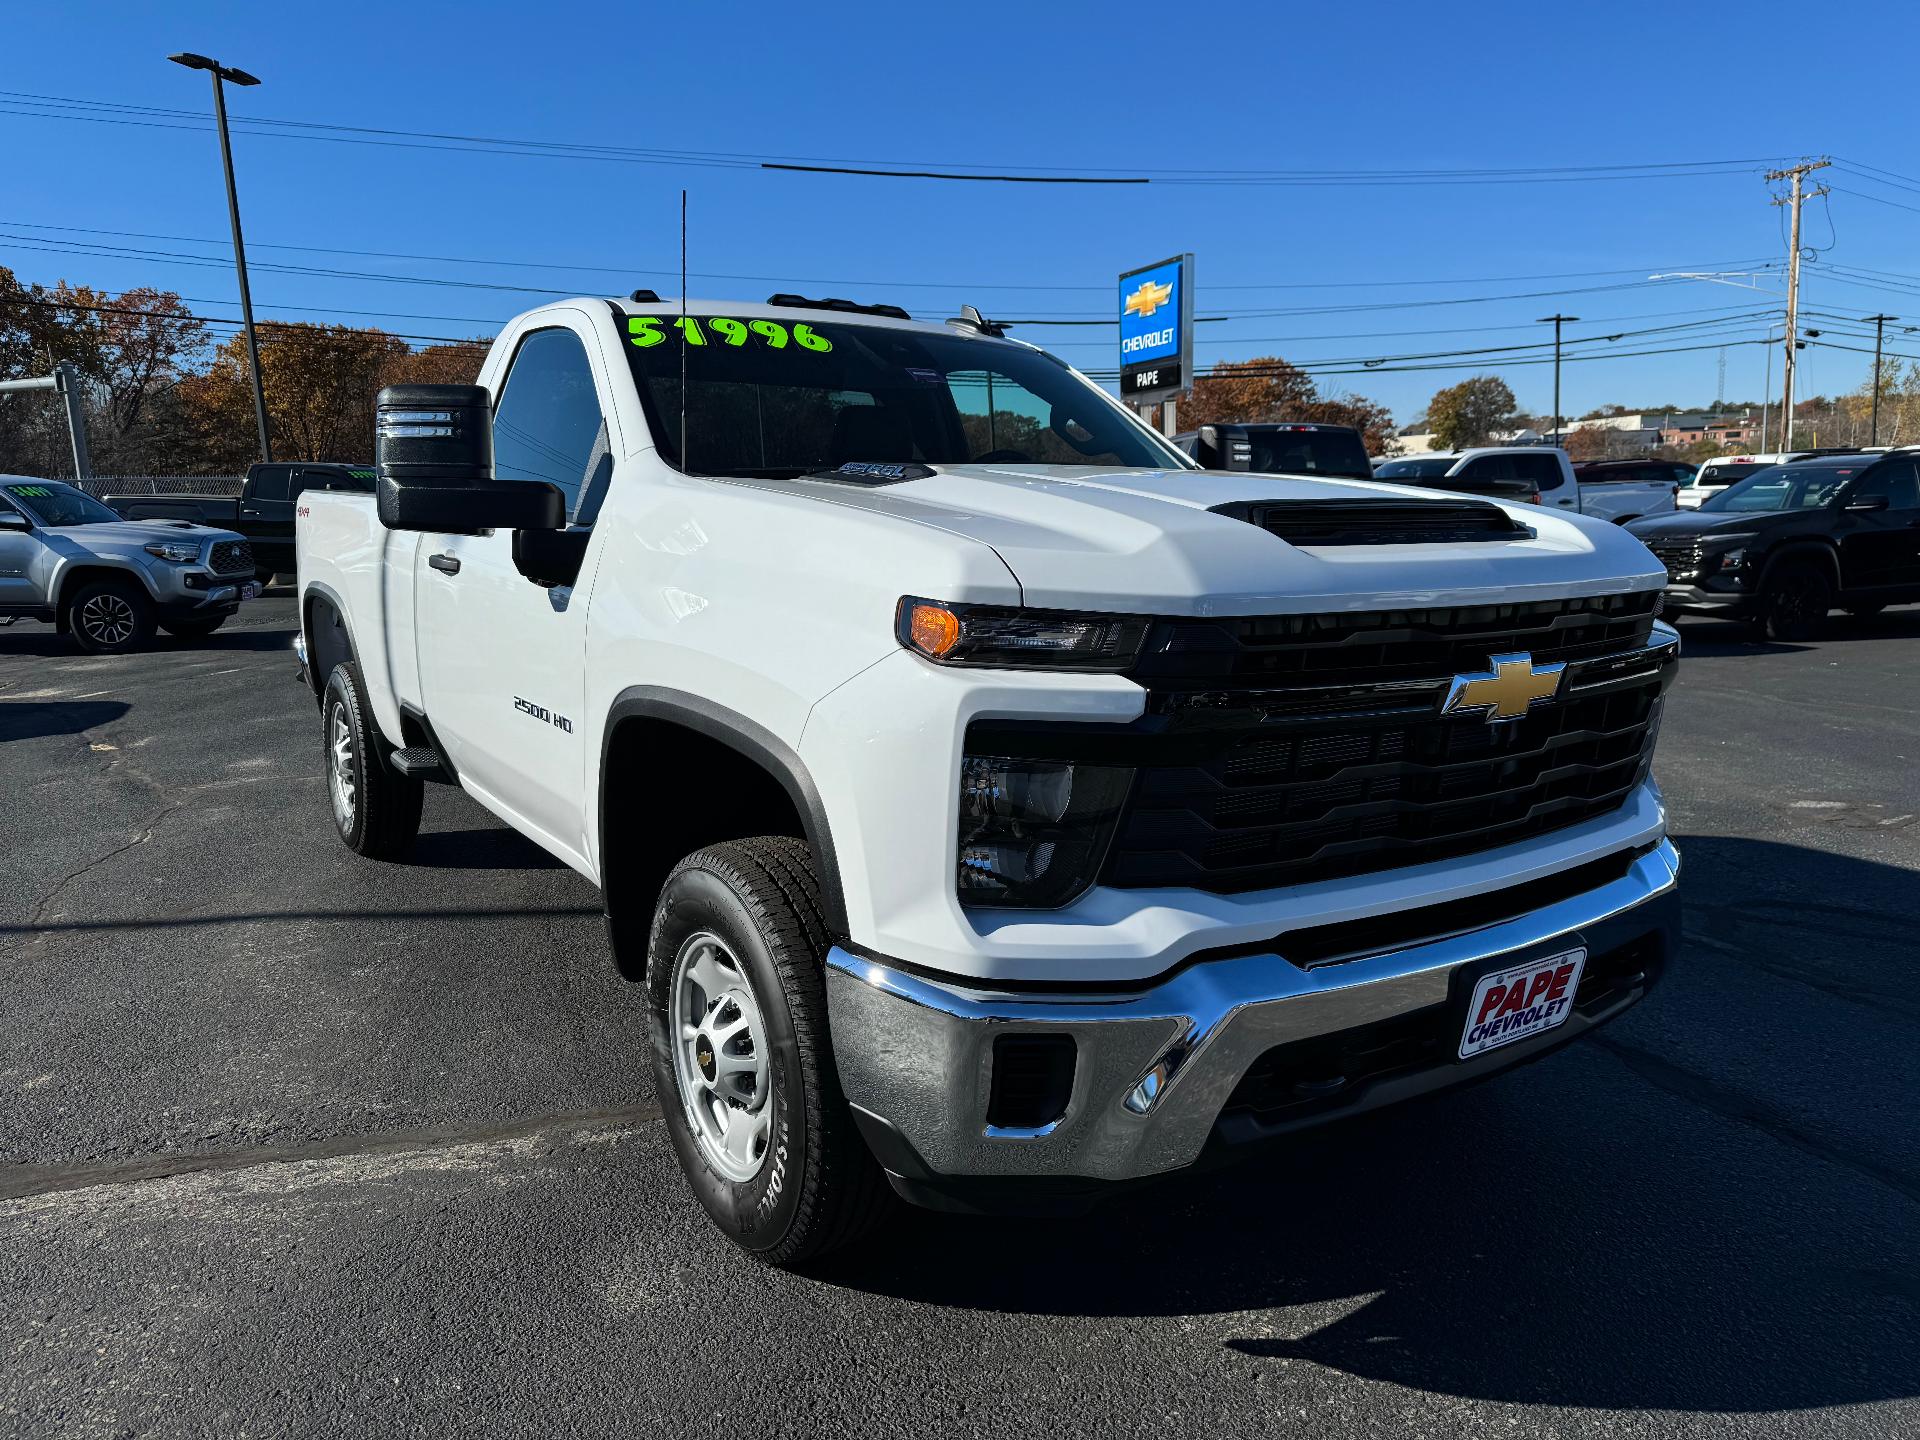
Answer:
x=376 y=809
x=742 y=1060
x=109 y=617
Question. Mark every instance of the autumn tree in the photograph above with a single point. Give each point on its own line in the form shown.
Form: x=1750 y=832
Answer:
x=1468 y=413
x=1373 y=421
x=1248 y=391
x=1587 y=442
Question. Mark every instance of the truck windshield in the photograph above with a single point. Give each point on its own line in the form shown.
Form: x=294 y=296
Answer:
x=786 y=398
x=52 y=504
x=1297 y=450
x=1414 y=469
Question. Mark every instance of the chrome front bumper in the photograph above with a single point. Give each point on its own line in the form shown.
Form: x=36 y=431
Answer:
x=1155 y=1068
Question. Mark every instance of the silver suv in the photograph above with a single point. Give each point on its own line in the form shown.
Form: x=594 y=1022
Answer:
x=107 y=582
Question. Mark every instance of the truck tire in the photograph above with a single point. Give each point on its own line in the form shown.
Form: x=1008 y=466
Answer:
x=1795 y=600
x=742 y=1061
x=193 y=629
x=376 y=810
x=109 y=617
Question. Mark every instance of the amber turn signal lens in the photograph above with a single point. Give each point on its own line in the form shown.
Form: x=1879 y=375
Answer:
x=933 y=629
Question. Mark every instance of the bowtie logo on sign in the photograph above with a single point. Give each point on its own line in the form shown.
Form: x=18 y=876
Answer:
x=1156 y=330
x=1148 y=298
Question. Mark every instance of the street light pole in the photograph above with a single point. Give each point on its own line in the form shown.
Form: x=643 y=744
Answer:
x=1879 y=333
x=221 y=73
x=1557 y=320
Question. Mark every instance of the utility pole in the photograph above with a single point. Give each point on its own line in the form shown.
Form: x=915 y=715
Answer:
x=1879 y=333
x=228 y=73
x=1558 y=321
x=1797 y=174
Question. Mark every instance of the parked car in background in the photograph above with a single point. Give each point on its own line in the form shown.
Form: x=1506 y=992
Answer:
x=1280 y=448
x=107 y=582
x=1653 y=484
x=1539 y=474
x=263 y=510
x=1790 y=542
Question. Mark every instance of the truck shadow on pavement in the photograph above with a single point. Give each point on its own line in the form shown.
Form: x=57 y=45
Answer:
x=37 y=719
x=1713 y=639
x=1709 y=1206
x=493 y=847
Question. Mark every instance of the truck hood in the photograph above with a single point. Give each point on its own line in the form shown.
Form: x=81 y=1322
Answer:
x=136 y=533
x=1088 y=537
x=1688 y=524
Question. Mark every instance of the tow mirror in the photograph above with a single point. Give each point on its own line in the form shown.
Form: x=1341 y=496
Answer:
x=433 y=458
x=1206 y=449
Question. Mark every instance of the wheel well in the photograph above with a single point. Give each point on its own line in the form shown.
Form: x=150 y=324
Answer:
x=668 y=789
x=328 y=643
x=80 y=575
x=1808 y=550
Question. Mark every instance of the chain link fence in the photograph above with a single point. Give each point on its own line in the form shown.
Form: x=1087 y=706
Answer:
x=102 y=485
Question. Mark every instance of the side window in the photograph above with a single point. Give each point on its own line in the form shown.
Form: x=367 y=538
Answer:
x=1542 y=470
x=1489 y=467
x=270 y=484
x=1898 y=480
x=547 y=424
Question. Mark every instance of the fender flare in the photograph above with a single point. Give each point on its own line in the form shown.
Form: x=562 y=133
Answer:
x=756 y=743
x=64 y=568
x=318 y=589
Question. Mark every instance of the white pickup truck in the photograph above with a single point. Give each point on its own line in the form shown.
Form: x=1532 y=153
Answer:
x=995 y=806
x=1540 y=474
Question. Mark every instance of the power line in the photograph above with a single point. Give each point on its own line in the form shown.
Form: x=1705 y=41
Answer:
x=163 y=117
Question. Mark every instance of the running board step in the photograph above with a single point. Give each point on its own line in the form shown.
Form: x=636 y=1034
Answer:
x=422 y=762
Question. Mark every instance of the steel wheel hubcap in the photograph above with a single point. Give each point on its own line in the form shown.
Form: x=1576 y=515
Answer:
x=340 y=766
x=108 y=619
x=720 y=1056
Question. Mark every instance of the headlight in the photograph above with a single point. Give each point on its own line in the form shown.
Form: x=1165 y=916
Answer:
x=1033 y=832
x=180 y=552
x=1037 y=639
x=1732 y=559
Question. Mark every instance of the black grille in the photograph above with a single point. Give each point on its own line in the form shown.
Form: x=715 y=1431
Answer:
x=1375 y=646
x=232 y=557
x=1379 y=522
x=1682 y=558
x=1279 y=750
x=1353 y=795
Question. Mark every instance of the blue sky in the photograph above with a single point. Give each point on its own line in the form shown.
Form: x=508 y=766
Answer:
x=1115 y=88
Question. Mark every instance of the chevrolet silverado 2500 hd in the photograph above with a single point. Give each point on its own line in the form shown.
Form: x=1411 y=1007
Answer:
x=993 y=804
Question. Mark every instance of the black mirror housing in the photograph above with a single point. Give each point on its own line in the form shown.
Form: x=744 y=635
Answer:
x=433 y=456
x=1206 y=448
x=1871 y=502
x=550 y=558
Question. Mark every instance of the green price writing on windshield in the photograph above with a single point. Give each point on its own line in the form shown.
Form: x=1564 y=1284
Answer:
x=38 y=491
x=646 y=331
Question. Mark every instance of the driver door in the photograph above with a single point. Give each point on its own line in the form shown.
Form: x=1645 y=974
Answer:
x=503 y=660
x=19 y=548
x=1880 y=549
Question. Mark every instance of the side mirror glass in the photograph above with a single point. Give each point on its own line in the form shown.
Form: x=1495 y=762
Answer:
x=1870 y=502
x=433 y=459
x=13 y=520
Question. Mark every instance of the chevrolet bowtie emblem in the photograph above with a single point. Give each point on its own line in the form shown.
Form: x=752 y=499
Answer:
x=1507 y=690
x=1148 y=298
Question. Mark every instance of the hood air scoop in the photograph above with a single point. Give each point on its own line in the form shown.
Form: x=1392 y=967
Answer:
x=1378 y=522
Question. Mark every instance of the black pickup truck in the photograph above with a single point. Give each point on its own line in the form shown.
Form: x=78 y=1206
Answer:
x=262 y=511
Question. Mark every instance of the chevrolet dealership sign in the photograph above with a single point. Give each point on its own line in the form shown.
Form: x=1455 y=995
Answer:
x=1156 y=330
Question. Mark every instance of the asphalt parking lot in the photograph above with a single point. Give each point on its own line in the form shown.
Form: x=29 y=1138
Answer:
x=294 y=1143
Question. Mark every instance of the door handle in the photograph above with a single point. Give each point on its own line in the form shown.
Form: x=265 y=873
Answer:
x=445 y=564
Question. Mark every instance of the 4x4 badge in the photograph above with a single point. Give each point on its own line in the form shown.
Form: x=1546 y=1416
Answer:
x=1507 y=690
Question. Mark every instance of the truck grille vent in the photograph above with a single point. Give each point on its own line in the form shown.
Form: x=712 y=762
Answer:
x=232 y=557
x=1280 y=750
x=1682 y=558
x=1379 y=522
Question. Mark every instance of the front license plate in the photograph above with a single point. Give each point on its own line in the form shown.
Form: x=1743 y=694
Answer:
x=1521 y=1001
x=250 y=590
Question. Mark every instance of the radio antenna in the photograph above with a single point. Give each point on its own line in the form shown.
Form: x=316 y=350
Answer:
x=686 y=463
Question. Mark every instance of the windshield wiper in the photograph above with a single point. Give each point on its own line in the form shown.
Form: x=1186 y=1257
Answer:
x=761 y=472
